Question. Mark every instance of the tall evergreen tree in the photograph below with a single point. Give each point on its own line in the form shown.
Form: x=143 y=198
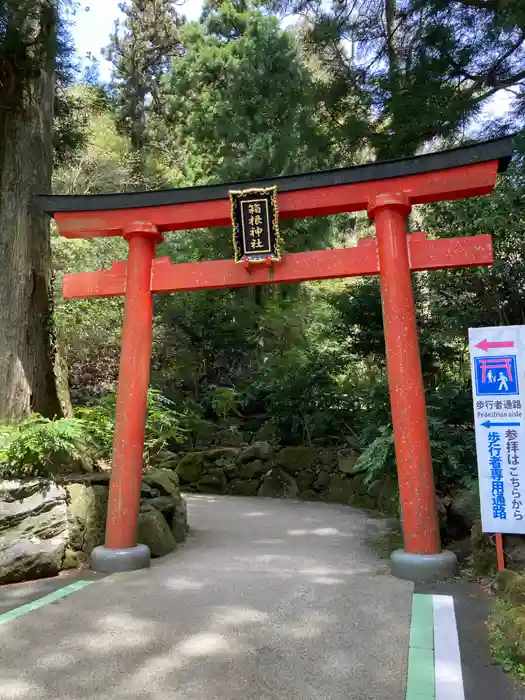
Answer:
x=421 y=70
x=30 y=45
x=141 y=49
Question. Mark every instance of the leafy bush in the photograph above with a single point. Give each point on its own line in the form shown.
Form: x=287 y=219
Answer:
x=452 y=444
x=378 y=458
x=299 y=392
x=163 y=425
x=223 y=400
x=38 y=446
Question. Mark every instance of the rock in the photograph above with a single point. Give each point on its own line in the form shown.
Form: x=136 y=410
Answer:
x=213 y=481
x=257 y=451
x=173 y=508
x=308 y=495
x=515 y=551
x=190 y=467
x=346 y=461
x=230 y=437
x=146 y=491
x=340 y=489
x=165 y=459
x=179 y=523
x=464 y=510
x=278 y=484
x=244 y=487
x=461 y=548
x=99 y=478
x=305 y=480
x=322 y=481
x=33 y=529
x=361 y=496
x=155 y=532
x=227 y=453
x=296 y=459
x=229 y=466
x=86 y=514
x=268 y=432
x=384 y=493
x=166 y=505
x=251 y=470
x=163 y=480
x=327 y=457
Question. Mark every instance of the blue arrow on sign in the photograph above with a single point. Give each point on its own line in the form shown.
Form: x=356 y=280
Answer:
x=489 y=424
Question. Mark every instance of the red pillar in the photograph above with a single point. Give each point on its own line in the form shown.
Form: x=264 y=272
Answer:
x=132 y=393
x=405 y=379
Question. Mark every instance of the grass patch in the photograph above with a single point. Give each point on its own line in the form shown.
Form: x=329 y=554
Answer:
x=506 y=628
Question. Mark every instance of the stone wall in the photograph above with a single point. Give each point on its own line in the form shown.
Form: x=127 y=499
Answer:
x=48 y=526
x=308 y=473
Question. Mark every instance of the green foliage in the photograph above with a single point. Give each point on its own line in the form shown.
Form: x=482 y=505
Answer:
x=37 y=446
x=507 y=637
x=299 y=391
x=223 y=400
x=378 y=458
x=394 y=76
x=142 y=46
x=164 y=424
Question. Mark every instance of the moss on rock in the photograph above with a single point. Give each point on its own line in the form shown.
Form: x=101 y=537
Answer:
x=190 y=468
x=154 y=531
x=163 y=480
x=244 y=487
x=305 y=480
x=296 y=459
x=213 y=481
x=257 y=451
x=341 y=489
x=251 y=470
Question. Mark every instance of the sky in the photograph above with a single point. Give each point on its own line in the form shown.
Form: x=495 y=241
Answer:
x=94 y=25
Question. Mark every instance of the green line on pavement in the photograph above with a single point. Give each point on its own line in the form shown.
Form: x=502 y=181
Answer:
x=40 y=602
x=420 y=681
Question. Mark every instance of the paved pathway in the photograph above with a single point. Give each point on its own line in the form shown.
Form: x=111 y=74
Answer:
x=268 y=600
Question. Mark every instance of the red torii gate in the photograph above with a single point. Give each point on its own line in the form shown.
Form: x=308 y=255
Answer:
x=387 y=191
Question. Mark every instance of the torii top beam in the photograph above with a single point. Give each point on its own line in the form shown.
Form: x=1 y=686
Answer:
x=453 y=174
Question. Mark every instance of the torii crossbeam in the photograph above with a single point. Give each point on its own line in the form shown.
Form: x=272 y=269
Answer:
x=387 y=191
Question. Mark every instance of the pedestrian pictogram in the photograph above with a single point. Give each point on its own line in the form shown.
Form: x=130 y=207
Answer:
x=496 y=376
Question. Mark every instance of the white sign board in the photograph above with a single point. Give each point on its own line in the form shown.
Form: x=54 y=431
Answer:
x=497 y=359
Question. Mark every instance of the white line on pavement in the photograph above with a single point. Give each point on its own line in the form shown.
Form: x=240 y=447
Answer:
x=447 y=658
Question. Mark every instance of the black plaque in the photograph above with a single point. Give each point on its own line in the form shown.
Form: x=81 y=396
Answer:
x=255 y=222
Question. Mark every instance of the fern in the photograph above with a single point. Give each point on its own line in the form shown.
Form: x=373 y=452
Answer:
x=37 y=446
x=378 y=458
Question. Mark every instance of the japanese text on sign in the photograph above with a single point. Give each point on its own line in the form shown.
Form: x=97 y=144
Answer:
x=255 y=219
x=498 y=375
x=255 y=225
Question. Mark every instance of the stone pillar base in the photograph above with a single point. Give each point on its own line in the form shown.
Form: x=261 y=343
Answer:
x=423 y=568
x=113 y=561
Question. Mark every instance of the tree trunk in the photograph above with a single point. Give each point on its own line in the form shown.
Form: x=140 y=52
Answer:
x=27 y=341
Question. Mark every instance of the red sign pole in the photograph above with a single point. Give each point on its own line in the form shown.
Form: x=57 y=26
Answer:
x=132 y=397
